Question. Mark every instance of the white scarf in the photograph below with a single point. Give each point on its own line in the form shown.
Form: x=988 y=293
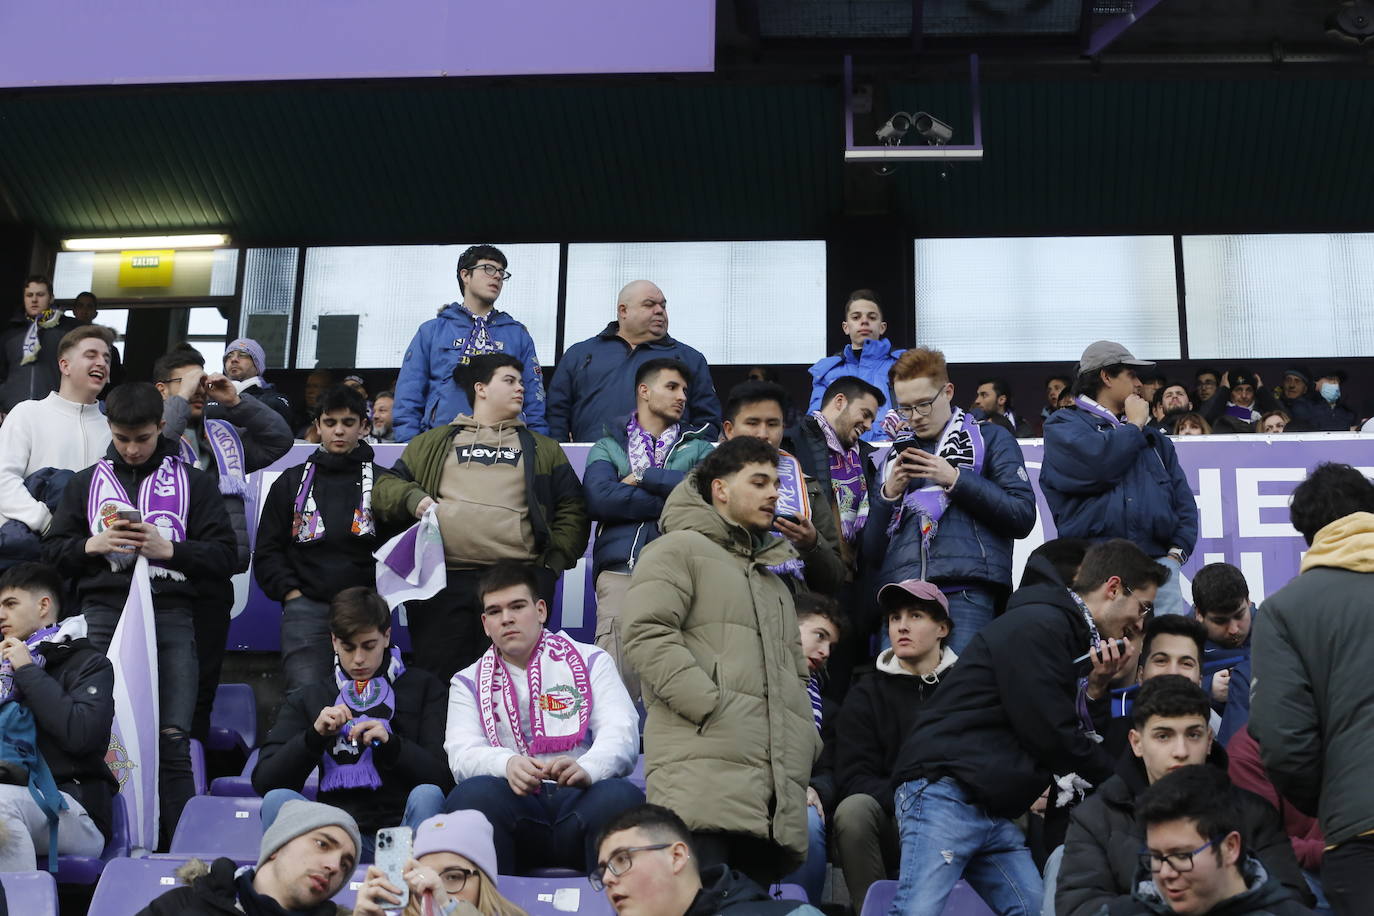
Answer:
x=560 y=697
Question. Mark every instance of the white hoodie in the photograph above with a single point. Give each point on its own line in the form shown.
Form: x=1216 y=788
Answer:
x=888 y=664
x=51 y=433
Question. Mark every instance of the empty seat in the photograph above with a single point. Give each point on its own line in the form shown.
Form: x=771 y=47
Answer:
x=128 y=885
x=241 y=786
x=637 y=774
x=234 y=719
x=30 y=892
x=963 y=900
x=211 y=827
x=198 y=766
x=555 y=896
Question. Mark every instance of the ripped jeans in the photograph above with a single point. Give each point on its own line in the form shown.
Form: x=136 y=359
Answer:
x=945 y=837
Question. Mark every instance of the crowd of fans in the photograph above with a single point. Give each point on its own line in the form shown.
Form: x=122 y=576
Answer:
x=818 y=648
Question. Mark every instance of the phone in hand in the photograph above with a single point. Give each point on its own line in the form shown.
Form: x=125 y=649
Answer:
x=393 y=852
x=130 y=515
x=1120 y=648
x=787 y=517
x=903 y=444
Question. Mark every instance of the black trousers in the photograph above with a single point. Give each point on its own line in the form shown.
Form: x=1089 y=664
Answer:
x=1348 y=876
x=211 y=619
x=761 y=861
x=446 y=631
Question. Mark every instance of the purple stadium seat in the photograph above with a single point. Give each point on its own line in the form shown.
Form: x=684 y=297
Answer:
x=87 y=869
x=788 y=892
x=212 y=827
x=241 y=786
x=348 y=894
x=879 y=898
x=32 y=892
x=637 y=774
x=963 y=901
x=555 y=896
x=128 y=885
x=198 y=765
x=234 y=719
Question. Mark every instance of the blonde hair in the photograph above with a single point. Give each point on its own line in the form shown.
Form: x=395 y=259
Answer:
x=489 y=900
x=919 y=362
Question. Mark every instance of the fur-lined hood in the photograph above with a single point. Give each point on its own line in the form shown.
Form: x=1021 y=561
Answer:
x=195 y=869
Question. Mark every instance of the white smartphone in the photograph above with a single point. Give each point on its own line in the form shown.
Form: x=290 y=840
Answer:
x=393 y=852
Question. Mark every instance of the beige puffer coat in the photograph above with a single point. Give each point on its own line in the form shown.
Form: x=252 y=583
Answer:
x=730 y=737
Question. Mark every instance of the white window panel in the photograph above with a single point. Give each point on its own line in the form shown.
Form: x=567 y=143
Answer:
x=1279 y=296
x=1045 y=299
x=394 y=289
x=738 y=303
x=72 y=273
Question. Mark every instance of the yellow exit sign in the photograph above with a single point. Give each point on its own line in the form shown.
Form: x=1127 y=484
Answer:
x=146 y=268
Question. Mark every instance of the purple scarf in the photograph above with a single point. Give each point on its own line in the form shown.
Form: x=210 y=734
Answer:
x=847 y=478
x=307 y=521
x=792 y=500
x=961 y=444
x=1086 y=403
x=224 y=444
x=347 y=766
x=7 y=689
x=644 y=450
x=560 y=714
x=163 y=499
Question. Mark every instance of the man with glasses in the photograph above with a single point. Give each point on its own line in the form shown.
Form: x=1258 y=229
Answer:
x=1170 y=730
x=1197 y=855
x=954 y=497
x=1108 y=474
x=1007 y=722
x=426 y=394
x=647 y=866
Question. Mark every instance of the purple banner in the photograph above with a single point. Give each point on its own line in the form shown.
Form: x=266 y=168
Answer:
x=159 y=41
x=1242 y=485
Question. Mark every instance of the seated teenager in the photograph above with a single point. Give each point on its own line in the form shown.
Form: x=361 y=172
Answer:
x=878 y=712
x=374 y=729
x=1197 y=858
x=1172 y=645
x=55 y=682
x=453 y=860
x=1106 y=834
x=541 y=732
x=316 y=535
x=307 y=854
x=648 y=866
x=1221 y=601
x=140 y=500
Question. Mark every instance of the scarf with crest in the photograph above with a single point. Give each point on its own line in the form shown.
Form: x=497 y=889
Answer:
x=347 y=766
x=961 y=444
x=644 y=450
x=307 y=521
x=163 y=500
x=7 y=689
x=560 y=697
x=32 y=344
x=847 y=477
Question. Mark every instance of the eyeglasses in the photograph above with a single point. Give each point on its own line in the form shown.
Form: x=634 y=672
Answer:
x=920 y=407
x=491 y=270
x=1146 y=607
x=619 y=863
x=455 y=879
x=1180 y=862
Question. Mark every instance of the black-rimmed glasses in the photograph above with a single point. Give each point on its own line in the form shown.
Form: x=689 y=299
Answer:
x=920 y=407
x=1146 y=607
x=491 y=270
x=1180 y=862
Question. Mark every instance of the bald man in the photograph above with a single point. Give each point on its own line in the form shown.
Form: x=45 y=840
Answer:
x=594 y=387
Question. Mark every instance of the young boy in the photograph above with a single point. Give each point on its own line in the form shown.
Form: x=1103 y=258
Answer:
x=867 y=355
x=141 y=500
x=316 y=534
x=374 y=728
x=66 y=686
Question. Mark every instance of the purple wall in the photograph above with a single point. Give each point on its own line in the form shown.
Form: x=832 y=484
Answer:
x=76 y=42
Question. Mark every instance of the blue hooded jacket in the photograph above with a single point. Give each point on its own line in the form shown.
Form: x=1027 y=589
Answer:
x=871 y=364
x=595 y=383
x=426 y=394
x=1103 y=481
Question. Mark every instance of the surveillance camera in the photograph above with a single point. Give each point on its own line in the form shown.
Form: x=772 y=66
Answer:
x=936 y=132
x=895 y=129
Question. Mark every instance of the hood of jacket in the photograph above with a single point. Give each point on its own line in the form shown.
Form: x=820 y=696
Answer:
x=1261 y=891
x=685 y=510
x=1346 y=543
x=454 y=311
x=1130 y=770
x=888 y=664
x=721 y=889
x=215 y=883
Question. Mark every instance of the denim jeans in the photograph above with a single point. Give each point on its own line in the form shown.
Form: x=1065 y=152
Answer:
x=556 y=828
x=945 y=837
x=177 y=676
x=307 y=654
x=811 y=874
x=1170 y=597
x=971 y=609
x=424 y=802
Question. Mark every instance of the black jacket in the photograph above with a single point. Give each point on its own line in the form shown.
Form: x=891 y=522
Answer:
x=725 y=891
x=414 y=755
x=806 y=441
x=1104 y=841
x=879 y=712
x=1263 y=896
x=209 y=551
x=273 y=398
x=339 y=560
x=1005 y=721
x=72 y=701
x=34 y=381
x=215 y=892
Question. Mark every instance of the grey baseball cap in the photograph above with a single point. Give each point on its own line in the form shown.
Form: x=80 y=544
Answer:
x=1103 y=353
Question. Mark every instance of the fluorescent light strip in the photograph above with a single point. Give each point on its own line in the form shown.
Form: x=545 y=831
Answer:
x=144 y=243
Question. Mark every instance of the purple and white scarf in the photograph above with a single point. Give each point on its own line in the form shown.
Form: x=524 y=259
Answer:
x=7 y=689
x=32 y=344
x=307 y=521
x=644 y=450
x=559 y=712
x=345 y=765
x=478 y=340
x=792 y=500
x=847 y=478
x=961 y=444
x=813 y=692
x=227 y=448
x=1085 y=718
x=1248 y=414
x=163 y=500
x=1086 y=403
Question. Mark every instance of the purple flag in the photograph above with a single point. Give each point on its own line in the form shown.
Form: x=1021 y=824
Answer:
x=133 y=743
x=410 y=566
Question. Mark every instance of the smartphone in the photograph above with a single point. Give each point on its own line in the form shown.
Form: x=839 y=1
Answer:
x=130 y=515
x=1120 y=647
x=392 y=854
x=902 y=445
x=787 y=517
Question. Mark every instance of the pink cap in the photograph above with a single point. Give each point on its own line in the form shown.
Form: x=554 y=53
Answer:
x=896 y=595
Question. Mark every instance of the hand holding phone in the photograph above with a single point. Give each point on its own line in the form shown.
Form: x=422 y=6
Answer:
x=1120 y=648
x=393 y=854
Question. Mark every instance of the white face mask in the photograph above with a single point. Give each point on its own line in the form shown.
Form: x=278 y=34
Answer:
x=1332 y=393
